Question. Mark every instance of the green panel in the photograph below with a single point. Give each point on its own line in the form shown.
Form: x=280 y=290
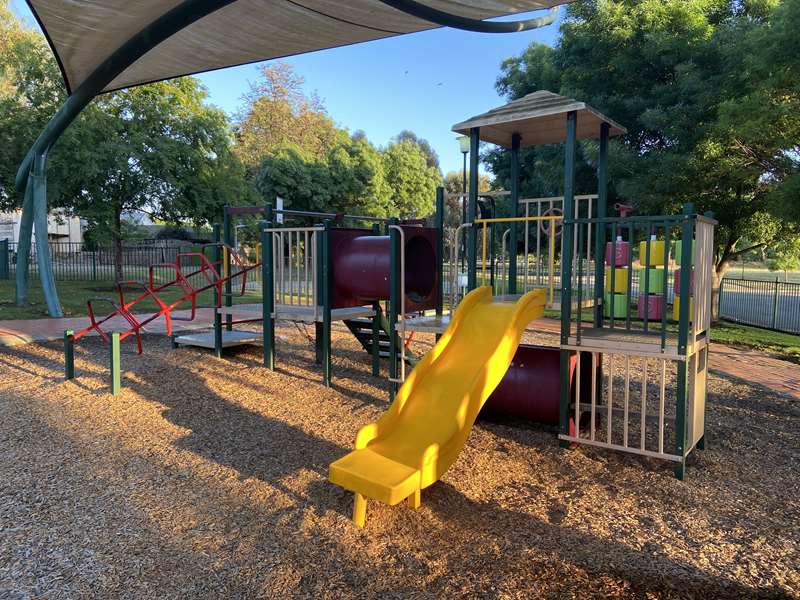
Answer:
x=678 y=252
x=621 y=305
x=655 y=279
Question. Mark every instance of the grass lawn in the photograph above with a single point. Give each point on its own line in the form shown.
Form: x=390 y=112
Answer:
x=75 y=294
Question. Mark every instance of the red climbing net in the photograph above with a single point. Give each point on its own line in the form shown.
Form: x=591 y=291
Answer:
x=204 y=275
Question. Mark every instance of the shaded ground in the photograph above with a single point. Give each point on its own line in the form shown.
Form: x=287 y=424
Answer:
x=208 y=479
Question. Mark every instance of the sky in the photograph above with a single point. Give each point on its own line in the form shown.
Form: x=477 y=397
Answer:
x=425 y=81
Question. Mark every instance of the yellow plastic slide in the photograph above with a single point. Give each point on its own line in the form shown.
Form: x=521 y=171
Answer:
x=420 y=436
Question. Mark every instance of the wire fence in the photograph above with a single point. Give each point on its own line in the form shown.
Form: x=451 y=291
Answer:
x=770 y=304
x=73 y=261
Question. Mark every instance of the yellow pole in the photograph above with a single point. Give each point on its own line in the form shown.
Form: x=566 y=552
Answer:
x=483 y=268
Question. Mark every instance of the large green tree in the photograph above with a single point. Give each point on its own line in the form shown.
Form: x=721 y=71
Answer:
x=158 y=148
x=708 y=90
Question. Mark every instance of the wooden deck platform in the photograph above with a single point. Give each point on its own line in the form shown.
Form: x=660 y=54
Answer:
x=631 y=341
x=205 y=339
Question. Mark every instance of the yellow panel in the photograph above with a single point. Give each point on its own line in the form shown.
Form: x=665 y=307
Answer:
x=656 y=253
x=620 y=281
x=422 y=433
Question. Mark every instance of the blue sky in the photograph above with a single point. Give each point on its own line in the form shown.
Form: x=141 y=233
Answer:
x=424 y=82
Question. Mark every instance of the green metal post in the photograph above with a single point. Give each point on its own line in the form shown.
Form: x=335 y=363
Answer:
x=600 y=235
x=326 y=305
x=472 y=209
x=376 y=340
x=318 y=329
x=516 y=139
x=267 y=292
x=69 y=354
x=228 y=238
x=24 y=246
x=217 y=258
x=566 y=268
x=94 y=264
x=394 y=307
x=5 y=270
x=115 y=375
x=439 y=224
x=687 y=234
x=38 y=180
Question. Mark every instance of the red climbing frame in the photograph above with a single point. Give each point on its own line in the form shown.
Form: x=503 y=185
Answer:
x=214 y=277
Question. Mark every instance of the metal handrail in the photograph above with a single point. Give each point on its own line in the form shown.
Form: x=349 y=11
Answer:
x=454 y=287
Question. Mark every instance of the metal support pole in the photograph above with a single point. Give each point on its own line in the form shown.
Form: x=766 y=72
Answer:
x=69 y=354
x=439 y=224
x=115 y=375
x=38 y=181
x=267 y=293
x=217 y=258
x=326 y=304
x=472 y=210
x=24 y=246
x=394 y=307
x=566 y=268
x=226 y=267
x=516 y=139
x=376 y=340
x=682 y=392
x=600 y=235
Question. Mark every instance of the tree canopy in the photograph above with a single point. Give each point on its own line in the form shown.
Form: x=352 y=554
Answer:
x=709 y=92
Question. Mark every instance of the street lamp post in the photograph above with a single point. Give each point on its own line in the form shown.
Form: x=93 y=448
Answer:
x=463 y=145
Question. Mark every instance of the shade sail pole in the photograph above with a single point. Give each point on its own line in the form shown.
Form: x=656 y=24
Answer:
x=148 y=38
x=445 y=19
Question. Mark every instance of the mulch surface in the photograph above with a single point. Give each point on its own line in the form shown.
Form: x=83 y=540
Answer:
x=207 y=478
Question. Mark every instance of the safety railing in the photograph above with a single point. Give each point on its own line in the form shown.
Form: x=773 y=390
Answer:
x=552 y=220
x=295 y=260
x=769 y=304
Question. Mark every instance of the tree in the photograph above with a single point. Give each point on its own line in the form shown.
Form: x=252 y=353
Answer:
x=277 y=112
x=431 y=158
x=412 y=181
x=157 y=149
x=454 y=185
x=708 y=90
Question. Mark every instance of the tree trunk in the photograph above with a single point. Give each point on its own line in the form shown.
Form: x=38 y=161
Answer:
x=117 y=236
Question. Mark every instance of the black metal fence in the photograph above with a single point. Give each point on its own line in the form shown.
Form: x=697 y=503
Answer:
x=73 y=261
x=770 y=304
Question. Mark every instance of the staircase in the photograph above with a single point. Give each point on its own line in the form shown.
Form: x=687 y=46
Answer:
x=362 y=330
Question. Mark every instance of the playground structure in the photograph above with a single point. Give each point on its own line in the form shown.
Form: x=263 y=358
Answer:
x=424 y=429
x=631 y=381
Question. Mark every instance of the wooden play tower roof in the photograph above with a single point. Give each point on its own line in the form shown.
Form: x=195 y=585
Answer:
x=539 y=118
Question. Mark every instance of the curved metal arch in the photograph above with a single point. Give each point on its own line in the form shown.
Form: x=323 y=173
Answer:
x=148 y=38
x=422 y=11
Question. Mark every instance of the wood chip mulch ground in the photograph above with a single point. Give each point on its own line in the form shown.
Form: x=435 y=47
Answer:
x=207 y=479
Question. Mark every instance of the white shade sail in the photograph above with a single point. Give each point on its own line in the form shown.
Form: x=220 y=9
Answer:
x=84 y=33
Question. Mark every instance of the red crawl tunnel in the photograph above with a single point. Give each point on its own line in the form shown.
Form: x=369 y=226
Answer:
x=360 y=267
x=531 y=388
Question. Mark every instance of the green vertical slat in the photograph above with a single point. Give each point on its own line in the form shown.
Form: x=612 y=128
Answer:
x=472 y=236
x=665 y=284
x=115 y=375
x=631 y=237
x=69 y=354
x=600 y=235
x=516 y=140
x=775 y=305
x=566 y=268
x=646 y=312
x=613 y=266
